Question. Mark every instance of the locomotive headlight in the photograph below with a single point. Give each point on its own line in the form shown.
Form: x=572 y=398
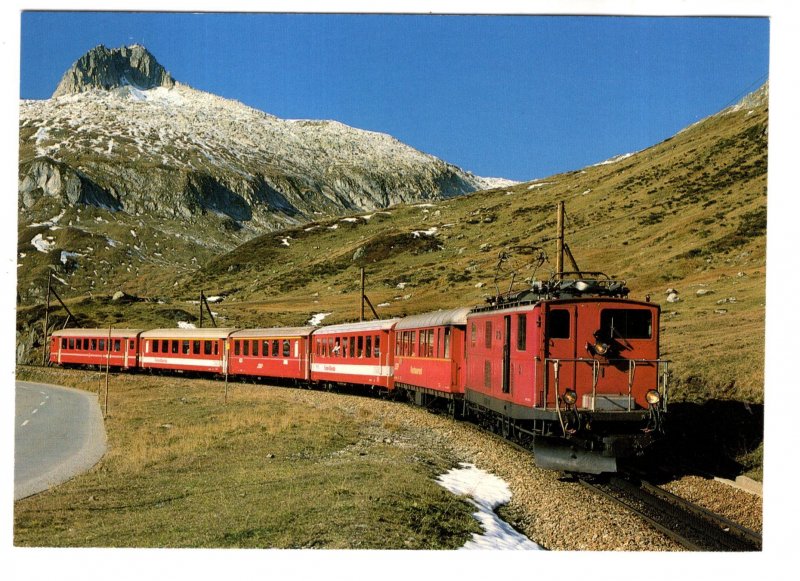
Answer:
x=652 y=397
x=570 y=397
x=601 y=348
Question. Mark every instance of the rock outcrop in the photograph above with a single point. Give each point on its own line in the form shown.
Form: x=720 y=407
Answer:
x=103 y=68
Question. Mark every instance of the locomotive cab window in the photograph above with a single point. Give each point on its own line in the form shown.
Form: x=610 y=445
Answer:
x=626 y=323
x=558 y=324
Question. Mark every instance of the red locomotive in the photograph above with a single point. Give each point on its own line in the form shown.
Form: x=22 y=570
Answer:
x=571 y=366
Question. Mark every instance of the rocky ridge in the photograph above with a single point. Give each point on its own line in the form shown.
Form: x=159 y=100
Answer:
x=120 y=133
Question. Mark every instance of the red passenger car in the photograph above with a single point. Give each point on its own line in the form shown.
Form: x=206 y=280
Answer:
x=357 y=353
x=114 y=347
x=280 y=352
x=185 y=349
x=429 y=355
x=577 y=363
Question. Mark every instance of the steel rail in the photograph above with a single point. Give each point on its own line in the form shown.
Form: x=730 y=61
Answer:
x=733 y=534
x=678 y=538
x=694 y=527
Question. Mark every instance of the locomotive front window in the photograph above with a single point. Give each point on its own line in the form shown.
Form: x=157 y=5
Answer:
x=626 y=323
x=558 y=324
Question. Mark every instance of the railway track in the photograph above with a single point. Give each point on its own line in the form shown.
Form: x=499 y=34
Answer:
x=690 y=525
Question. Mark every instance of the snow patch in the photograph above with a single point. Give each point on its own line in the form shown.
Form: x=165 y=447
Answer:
x=539 y=185
x=285 y=241
x=614 y=159
x=51 y=222
x=486 y=492
x=430 y=232
x=317 y=319
x=65 y=256
x=185 y=325
x=41 y=244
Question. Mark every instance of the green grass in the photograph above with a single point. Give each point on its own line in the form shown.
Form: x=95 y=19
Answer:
x=273 y=467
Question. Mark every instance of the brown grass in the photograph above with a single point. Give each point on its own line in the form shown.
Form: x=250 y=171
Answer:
x=273 y=467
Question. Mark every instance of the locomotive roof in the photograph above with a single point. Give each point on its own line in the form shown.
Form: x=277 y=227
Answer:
x=380 y=325
x=209 y=333
x=527 y=305
x=274 y=332
x=435 y=318
x=101 y=333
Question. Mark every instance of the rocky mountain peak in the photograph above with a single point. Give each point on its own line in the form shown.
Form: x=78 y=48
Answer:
x=104 y=68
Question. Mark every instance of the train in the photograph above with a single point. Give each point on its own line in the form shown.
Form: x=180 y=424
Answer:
x=569 y=367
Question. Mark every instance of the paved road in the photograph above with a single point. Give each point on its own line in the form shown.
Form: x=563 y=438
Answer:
x=58 y=434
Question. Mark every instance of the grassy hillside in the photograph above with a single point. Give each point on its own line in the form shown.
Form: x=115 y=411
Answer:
x=687 y=214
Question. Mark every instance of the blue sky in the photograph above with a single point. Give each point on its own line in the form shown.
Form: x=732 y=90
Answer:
x=519 y=97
